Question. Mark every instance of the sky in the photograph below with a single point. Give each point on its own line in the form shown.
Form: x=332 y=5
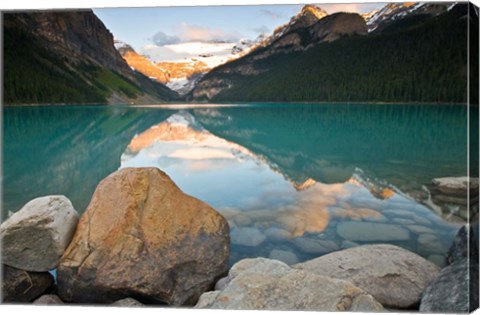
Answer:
x=171 y=25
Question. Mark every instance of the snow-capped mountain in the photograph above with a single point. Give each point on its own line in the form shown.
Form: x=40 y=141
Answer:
x=377 y=20
x=180 y=65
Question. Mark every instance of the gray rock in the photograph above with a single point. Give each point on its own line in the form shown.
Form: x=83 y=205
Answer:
x=277 y=235
x=392 y=275
x=48 y=299
x=464 y=240
x=19 y=286
x=247 y=236
x=35 y=237
x=314 y=246
x=431 y=244
x=222 y=283
x=420 y=229
x=453 y=291
x=127 y=302
x=285 y=256
x=263 y=284
x=456 y=185
x=368 y=231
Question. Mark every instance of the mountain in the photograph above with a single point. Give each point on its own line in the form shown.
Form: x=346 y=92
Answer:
x=141 y=63
x=181 y=74
x=379 y=20
x=69 y=57
x=416 y=58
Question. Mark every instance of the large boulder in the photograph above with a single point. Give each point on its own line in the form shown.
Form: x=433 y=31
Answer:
x=455 y=290
x=20 y=286
x=142 y=237
x=394 y=276
x=264 y=284
x=35 y=237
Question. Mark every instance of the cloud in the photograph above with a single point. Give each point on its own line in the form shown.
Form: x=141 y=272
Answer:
x=188 y=32
x=261 y=29
x=272 y=14
x=351 y=7
x=194 y=33
x=162 y=39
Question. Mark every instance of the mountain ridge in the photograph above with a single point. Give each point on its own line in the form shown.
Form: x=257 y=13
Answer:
x=354 y=67
x=59 y=57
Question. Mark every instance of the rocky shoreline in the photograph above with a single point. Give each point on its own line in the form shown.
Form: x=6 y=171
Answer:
x=142 y=241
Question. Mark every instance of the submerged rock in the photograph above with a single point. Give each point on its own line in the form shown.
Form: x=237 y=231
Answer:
x=247 y=236
x=368 y=231
x=314 y=246
x=455 y=290
x=35 y=237
x=264 y=284
x=19 y=286
x=141 y=236
x=392 y=275
x=285 y=256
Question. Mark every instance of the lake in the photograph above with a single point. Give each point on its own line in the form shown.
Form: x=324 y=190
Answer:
x=295 y=181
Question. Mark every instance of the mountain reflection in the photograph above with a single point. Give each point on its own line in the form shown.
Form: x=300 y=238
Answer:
x=250 y=190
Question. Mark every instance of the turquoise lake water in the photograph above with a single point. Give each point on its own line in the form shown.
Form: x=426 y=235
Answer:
x=295 y=181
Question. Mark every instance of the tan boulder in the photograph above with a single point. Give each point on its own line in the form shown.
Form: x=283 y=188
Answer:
x=142 y=237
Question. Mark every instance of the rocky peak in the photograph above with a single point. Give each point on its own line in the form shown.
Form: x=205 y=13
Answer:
x=379 y=19
x=314 y=10
x=337 y=25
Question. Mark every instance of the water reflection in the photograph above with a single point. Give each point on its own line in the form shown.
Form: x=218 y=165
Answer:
x=272 y=212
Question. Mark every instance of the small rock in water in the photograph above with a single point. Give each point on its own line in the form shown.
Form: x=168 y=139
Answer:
x=48 y=299
x=456 y=185
x=431 y=244
x=369 y=231
x=285 y=256
x=392 y=275
x=277 y=235
x=35 y=237
x=247 y=236
x=314 y=246
x=420 y=229
x=19 y=286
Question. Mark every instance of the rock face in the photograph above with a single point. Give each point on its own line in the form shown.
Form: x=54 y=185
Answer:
x=393 y=276
x=22 y=286
x=142 y=237
x=454 y=291
x=263 y=284
x=35 y=237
